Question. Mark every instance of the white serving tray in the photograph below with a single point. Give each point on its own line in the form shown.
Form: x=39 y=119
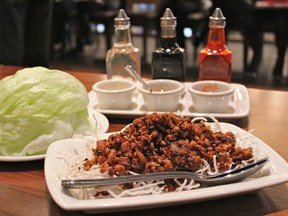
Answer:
x=238 y=107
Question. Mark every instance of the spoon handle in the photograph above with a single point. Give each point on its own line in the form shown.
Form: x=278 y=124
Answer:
x=223 y=178
x=134 y=74
x=253 y=164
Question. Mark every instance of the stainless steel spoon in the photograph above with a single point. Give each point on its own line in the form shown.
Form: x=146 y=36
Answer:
x=134 y=74
x=229 y=176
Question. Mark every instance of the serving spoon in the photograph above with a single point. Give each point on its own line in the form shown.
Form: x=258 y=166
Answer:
x=134 y=74
x=230 y=176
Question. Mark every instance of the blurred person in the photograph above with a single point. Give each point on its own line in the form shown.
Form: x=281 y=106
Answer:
x=25 y=32
x=85 y=9
x=281 y=38
x=278 y=18
x=64 y=14
x=78 y=14
x=240 y=15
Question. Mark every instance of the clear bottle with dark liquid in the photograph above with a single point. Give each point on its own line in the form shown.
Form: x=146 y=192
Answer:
x=215 y=58
x=168 y=60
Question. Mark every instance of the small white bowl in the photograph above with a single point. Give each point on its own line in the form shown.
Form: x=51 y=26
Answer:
x=165 y=94
x=114 y=94
x=210 y=96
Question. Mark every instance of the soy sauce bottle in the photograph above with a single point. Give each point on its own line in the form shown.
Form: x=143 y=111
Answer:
x=169 y=59
x=215 y=58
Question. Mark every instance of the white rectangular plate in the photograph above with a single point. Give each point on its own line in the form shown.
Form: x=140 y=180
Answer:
x=238 y=107
x=65 y=201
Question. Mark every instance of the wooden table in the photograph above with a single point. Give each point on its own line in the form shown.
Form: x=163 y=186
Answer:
x=23 y=190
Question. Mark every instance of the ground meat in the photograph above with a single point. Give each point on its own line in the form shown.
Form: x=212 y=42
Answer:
x=164 y=142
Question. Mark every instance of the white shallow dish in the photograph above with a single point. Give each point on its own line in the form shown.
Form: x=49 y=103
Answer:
x=102 y=127
x=65 y=201
x=238 y=107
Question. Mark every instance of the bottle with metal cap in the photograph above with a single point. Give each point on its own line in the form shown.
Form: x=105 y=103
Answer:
x=168 y=60
x=215 y=58
x=123 y=52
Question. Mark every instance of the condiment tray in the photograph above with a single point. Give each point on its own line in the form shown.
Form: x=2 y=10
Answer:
x=238 y=107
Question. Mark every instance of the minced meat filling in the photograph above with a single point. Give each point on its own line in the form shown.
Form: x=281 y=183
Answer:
x=161 y=142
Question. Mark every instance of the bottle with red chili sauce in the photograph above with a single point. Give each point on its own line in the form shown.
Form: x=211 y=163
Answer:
x=215 y=58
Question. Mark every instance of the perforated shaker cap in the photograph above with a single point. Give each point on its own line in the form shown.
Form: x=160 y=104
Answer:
x=122 y=19
x=168 y=19
x=217 y=18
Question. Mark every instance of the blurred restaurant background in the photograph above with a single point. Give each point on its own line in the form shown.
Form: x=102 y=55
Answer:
x=76 y=34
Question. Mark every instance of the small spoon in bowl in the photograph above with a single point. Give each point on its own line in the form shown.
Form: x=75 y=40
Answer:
x=134 y=74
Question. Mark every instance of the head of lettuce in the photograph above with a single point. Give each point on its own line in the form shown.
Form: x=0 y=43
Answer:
x=39 y=106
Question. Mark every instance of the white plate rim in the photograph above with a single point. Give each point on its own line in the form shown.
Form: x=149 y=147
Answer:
x=240 y=102
x=21 y=158
x=102 y=122
x=149 y=201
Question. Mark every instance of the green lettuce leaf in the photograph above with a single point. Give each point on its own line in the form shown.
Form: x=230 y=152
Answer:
x=39 y=106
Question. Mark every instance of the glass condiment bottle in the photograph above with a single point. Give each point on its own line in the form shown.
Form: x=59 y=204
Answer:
x=169 y=59
x=123 y=52
x=215 y=58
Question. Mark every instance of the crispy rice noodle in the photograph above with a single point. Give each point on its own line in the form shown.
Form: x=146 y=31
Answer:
x=73 y=167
